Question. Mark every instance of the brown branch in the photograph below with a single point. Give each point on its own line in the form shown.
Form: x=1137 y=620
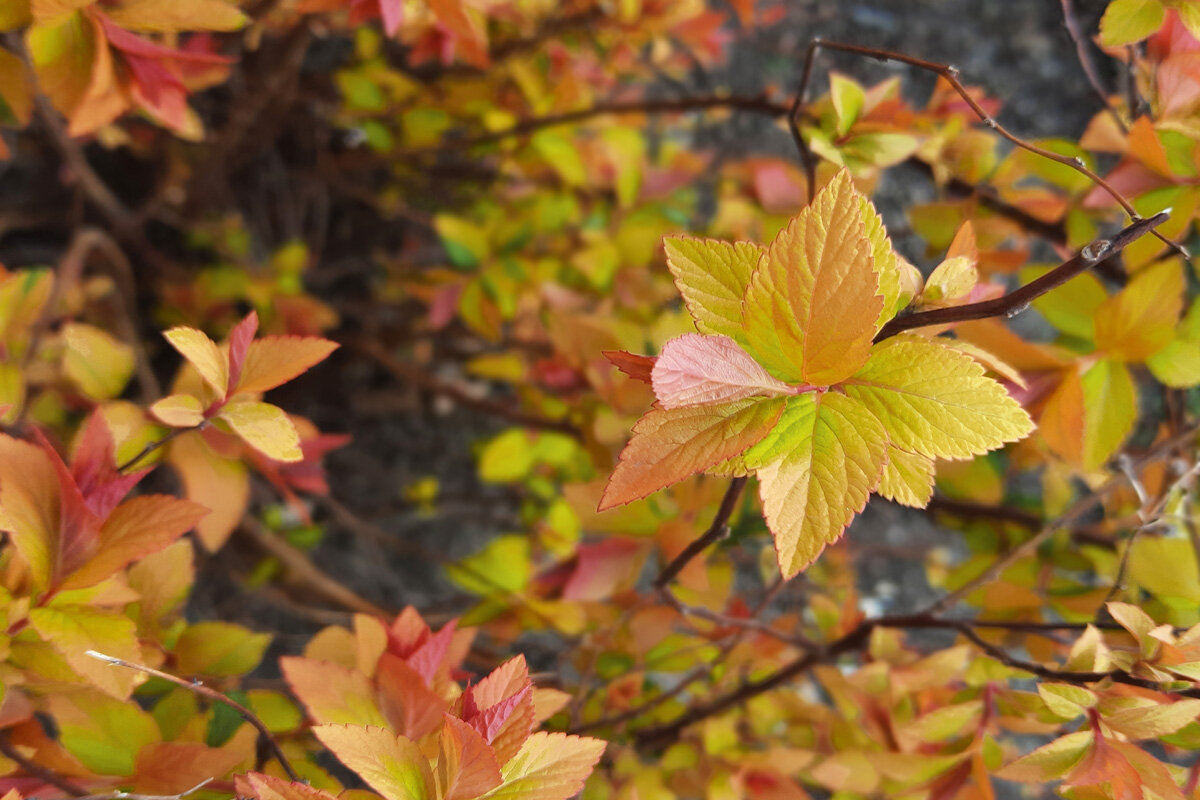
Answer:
x=760 y=104
x=120 y=795
x=950 y=75
x=305 y=571
x=718 y=530
x=423 y=380
x=1080 y=39
x=1019 y=299
x=44 y=774
x=200 y=690
x=1082 y=507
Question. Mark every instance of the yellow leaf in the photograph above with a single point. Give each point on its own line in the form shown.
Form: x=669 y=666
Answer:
x=264 y=427
x=179 y=411
x=1177 y=365
x=74 y=630
x=391 y=765
x=549 y=766
x=816 y=469
x=712 y=276
x=47 y=10
x=1154 y=720
x=15 y=80
x=812 y=304
x=936 y=401
x=669 y=445
x=907 y=478
x=1140 y=320
x=134 y=530
x=1109 y=411
x=203 y=354
x=895 y=274
x=99 y=364
x=157 y=16
x=1165 y=567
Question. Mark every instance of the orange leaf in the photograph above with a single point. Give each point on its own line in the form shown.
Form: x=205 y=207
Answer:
x=273 y=360
x=549 y=766
x=669 y=445
x=332 y=693
x=406 y=700
x=135 y=529
x=466 y=766
x=167 y=768
x=811 y=306
x=268 y=787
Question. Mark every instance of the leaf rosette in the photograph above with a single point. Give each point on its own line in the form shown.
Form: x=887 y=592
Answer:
x=785 y=380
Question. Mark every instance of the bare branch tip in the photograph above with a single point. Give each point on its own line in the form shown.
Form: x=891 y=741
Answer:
x=116 y=662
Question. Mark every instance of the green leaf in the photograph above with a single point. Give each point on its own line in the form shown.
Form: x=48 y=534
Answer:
x=1128 y=21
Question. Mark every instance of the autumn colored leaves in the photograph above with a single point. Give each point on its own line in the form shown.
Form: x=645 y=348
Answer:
x=784 y=380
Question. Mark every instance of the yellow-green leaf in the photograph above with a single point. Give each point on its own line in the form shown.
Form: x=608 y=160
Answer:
x=155 y=16
x=549 y=766
x=391 y=765
x=264 y=427
x=712 y=276
x=936 y=401
x=74 y=630
x=1140 y=320
x=219 y=649
x=1050 y=761
x=102 y=732
x=812 y=304
x=1128 y=21
x=816 y=469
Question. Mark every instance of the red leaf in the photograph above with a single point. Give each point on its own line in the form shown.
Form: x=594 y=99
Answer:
x=239 y=342
x=635 y=366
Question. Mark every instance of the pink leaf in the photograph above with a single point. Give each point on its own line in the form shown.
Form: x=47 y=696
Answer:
x=695 y=369
x=239 y=342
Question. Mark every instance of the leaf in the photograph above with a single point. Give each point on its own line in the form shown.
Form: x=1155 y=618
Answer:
x=391 y=765
x=1155 y=720
x=813 y=301
x=1128 y=21
x=1066 y=701
x=407 y=701
x=1140 y=320
x=466 y=766
x=936 y=401
x=212 y=480
x=179 y=411
x=815 y=470
x=951 y=280
x=1049 y=762
x=74 y=630
x=894 y=273
x=713 y=276
x=134 y=530
x=99 y=364
x=635 y=366
x=264 y=427
x=104 y=733
x=500 y=707
x=169 y=768
x=29 y=506
x=219 y=649
x=157 y=16
x=269 y=787
x=203 y=354
x=273 y=360
x=549 y=766
x=907 y=478
x=694 y=369
x=847 y=97
x=332 y=693
x=240 y=338
x=669 y=445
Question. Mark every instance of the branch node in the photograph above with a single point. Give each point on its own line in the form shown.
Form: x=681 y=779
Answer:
x=1096 y=251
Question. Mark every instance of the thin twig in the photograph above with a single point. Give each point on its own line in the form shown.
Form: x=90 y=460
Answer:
x=200 y=690
x=157 y=443
x=305 y=571
x=1084 y=506
x=718 y=530
x=1075 y=31
x=950 y=75
x=1019 y=299
x=44 y=774
x=135 y=796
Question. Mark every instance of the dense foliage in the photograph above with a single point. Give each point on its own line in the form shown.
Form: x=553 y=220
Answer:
x=681 y=543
